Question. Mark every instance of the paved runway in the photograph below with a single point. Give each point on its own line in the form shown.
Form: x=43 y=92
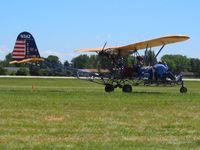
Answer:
x=56 y=77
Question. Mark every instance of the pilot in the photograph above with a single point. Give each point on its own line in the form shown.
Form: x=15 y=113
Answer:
x=140 y=60
x=162 y=70
x=146 y=72
x=139 y=65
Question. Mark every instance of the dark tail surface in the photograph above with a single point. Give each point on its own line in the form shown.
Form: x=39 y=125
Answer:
x=25 y=49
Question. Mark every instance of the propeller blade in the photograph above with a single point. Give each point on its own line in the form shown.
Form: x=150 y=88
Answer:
x=104 y=46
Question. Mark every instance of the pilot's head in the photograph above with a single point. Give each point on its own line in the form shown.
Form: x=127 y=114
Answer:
x=139 y=58
x=162 y=62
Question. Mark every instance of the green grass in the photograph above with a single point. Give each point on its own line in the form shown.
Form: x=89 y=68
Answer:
x=76 y=114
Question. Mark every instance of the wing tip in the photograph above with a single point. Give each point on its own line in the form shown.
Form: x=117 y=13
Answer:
x=186 y=37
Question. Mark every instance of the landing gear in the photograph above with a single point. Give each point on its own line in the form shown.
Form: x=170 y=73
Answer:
x=109 y=88
x=183 y=89
x=127 y=88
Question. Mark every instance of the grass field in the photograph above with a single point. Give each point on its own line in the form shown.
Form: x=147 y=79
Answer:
x=76 y=114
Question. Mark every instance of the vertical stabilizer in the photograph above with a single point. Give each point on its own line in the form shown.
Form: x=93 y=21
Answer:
x=25 y=49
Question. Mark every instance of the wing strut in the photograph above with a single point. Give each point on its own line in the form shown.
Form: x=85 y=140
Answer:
x=159 y=51
x=145 y=54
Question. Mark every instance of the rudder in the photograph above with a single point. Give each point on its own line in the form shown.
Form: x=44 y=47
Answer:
x=25 y=49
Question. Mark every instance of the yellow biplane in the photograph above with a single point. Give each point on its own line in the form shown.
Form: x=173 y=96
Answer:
x=125 y=77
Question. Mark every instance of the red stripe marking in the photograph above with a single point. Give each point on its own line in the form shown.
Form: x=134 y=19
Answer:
x=18 y=50
x=18 y=47
x=19 y=43
x=20 y=40
x=18 y=54
x=21 y=52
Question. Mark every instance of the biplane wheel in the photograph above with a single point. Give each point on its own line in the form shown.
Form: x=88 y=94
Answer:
x=109 y=88
x=183 y=89
x=127 y=88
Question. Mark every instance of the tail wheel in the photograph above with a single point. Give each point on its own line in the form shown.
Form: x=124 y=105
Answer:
x=183 y=89
x=109 y=88
x=127 y=88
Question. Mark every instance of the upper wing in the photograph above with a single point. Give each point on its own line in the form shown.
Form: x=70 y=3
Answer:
x=89 y=50
x=154 y=42
x=142 y=45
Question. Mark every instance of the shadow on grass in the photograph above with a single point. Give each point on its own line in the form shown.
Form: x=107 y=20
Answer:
x=149 y=92
x=87 y=91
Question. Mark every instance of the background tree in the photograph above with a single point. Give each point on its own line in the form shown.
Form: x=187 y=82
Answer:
x=8 y=58
x=195 y=66
x=92 y=61
x=66 y=63
x=81 y=61
x=177 y=63
x=150 y=58
x=22 y=71
x=53 y=59
x=2 y=71
x=130 y=60
x=5 y=62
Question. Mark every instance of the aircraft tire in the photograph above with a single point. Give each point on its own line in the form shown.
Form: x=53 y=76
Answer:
x=127 y=88
x=109 y=88
x=183 y=89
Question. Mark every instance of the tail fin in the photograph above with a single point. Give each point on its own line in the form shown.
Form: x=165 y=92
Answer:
x=25 y=49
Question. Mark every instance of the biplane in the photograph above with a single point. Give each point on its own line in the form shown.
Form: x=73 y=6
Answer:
x=116 y=74
x=119 y=75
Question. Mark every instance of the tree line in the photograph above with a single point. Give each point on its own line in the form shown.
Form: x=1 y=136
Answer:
x=54 y=67
x=176 y=63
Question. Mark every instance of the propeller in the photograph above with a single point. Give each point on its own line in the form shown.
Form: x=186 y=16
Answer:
x=101 y=52
x=104 y=46
x=99 y=58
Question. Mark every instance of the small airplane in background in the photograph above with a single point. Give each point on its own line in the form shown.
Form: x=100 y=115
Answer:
x=116 y=74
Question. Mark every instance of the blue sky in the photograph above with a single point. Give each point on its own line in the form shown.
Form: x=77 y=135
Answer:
x=62 y=26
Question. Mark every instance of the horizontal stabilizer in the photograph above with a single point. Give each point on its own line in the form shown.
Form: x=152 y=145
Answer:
x=26 y=60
